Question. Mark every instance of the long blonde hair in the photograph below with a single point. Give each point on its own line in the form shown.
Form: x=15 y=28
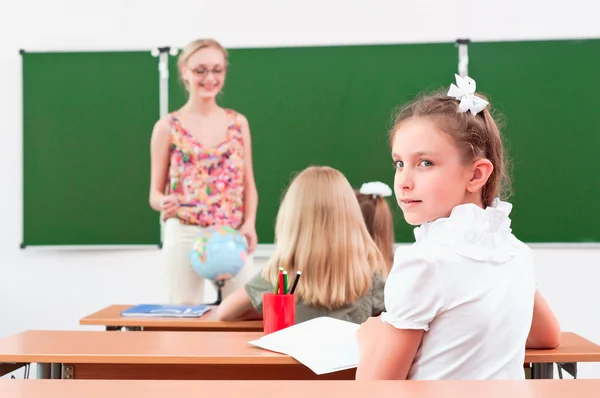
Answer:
x=320 y=231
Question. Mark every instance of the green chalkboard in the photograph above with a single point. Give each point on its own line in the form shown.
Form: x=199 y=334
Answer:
x=324 y=106
x=87 y=121
x=88 y=117
x=548 y=93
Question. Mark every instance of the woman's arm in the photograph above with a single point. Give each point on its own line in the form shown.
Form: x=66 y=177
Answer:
x=386 y=353
x=159 y=163
x=237 y=307
x=545 y=329
x=250 y=192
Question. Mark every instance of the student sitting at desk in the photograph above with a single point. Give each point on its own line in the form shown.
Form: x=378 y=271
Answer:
x=378 y=217
x=461 y=302
x=320 y=231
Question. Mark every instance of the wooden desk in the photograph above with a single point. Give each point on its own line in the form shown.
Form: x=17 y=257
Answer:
x=110 y=318
x=573 y=349
x=298 y=389
x=195 y=355
x=153 y=355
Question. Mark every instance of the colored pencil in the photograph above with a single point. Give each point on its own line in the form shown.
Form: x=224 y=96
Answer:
x=285 y=282
x=296 y=279
x=281 y=284
x=276 y=290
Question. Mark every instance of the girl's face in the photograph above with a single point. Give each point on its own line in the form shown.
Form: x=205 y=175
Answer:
x=205 y=72
x=430 y=177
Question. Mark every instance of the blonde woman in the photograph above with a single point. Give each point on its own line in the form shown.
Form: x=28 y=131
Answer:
x=320 y=231
x=202 y=154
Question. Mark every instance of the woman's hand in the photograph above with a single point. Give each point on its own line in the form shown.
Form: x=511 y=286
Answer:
x=249 y=232
x=169 y=206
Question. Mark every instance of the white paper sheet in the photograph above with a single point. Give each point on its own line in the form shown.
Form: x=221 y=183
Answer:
x=324 y=345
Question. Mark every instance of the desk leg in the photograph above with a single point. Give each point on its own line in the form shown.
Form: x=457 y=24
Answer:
x=56 y=371
x=43 y=371
x=569 y=367
x=542 y=370
x=49 y=371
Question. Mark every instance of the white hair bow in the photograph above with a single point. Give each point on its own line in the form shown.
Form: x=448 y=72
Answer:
x=375 y=188
x=464 y=91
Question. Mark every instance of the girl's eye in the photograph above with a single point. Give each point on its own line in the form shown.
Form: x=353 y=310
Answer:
x=426 y=163
x=398 y=164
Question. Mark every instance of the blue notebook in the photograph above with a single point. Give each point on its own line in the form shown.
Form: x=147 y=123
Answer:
x=166 y=311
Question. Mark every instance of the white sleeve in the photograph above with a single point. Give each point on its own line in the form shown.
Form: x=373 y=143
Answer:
x=413 y=292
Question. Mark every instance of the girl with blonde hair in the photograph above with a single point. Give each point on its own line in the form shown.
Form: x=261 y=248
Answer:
x=201 y=171
x=319 y=231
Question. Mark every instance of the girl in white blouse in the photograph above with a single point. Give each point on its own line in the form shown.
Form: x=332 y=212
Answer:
x=461 y=302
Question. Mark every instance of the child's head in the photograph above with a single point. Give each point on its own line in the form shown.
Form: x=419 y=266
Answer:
x=445 y=156
x=202 y=67
x=320 y=231
x=378 y=216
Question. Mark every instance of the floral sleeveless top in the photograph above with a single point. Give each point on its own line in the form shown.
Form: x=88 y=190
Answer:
x=208 y=182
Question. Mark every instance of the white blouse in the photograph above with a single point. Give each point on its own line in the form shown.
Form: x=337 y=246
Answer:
x=470 y=284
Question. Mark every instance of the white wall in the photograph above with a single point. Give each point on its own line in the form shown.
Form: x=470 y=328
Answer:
x=75 y=283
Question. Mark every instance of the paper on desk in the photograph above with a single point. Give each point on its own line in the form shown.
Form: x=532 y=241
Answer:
x=324 y=345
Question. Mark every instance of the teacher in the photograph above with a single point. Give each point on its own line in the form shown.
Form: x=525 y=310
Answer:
x=201 y=171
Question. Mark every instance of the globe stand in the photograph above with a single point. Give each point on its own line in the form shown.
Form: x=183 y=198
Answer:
x=220 y=283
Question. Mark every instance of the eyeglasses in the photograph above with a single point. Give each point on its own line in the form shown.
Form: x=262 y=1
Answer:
x=201 y=71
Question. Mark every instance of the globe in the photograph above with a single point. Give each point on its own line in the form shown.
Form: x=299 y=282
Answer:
x=219 y=253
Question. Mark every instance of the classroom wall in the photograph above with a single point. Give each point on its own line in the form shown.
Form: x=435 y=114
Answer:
x=71 y=284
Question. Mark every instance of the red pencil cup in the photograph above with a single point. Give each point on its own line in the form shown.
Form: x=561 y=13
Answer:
x=279 y=311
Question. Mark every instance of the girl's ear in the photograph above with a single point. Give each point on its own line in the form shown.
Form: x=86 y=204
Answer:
x=482 y=169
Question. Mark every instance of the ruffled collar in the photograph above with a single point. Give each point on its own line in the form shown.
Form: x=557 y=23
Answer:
x=480 y=234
